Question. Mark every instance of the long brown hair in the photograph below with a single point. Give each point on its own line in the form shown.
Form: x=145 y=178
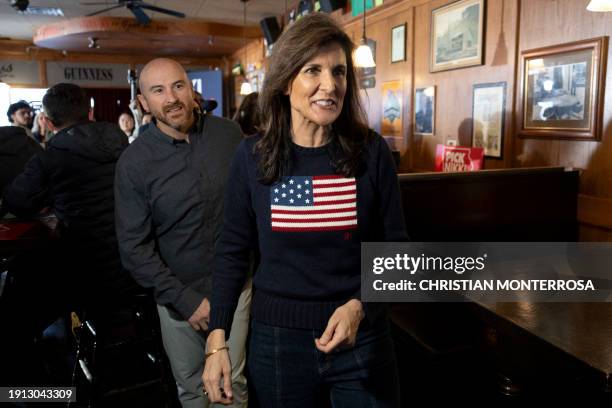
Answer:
x=298 y=45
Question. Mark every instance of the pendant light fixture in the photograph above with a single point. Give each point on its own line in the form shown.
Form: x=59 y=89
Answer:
x=363 y=55
x=245 y=88
x=600 y=5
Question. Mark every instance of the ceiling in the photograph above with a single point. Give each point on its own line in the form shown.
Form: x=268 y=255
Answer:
x=16 y=25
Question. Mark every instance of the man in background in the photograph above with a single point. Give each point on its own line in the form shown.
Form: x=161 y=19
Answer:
x=74 y=178
x=16 y=148
x=169 y=189
x=81 y=269
x=20 y=114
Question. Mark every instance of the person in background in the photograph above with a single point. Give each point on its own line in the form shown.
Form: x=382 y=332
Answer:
x=305 y=193
x=209 y=105
x=169 y=189
x=247 y=114
x=74 y=178
x=147 y=121
x=20 y=114
x=41 y=133
x=146 y=118
x=15 y=151
x=128 y=126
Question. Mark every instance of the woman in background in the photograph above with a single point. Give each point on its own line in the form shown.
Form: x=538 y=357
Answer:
x=247 y=114
x=40 y=132
x=127 y=125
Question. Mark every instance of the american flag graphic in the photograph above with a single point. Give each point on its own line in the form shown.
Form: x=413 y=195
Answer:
x=314 y=203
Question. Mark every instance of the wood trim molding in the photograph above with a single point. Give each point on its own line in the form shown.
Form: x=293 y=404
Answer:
x=596 y=211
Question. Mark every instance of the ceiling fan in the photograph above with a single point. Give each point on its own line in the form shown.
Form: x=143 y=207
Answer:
x=137 y=8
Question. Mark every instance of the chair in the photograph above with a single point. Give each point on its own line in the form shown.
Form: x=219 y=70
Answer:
x=119 y=359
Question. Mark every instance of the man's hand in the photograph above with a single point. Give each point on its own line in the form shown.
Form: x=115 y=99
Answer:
x=199 y=318
x=342 y=327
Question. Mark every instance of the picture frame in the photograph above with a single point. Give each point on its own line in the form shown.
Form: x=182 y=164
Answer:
x=392 y=109
x=488 y=117
x=457 y=35
x=562 y=90
x=398 y=43
x=424 y=111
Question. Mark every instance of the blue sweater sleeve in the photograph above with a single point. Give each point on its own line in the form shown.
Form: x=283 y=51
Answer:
x=382 y=169
x=389 y=196
x=237 y=241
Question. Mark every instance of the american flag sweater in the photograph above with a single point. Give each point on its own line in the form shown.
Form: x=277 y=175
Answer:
x=308 y=228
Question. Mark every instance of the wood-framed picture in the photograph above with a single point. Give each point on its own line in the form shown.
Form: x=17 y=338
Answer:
x=562 y=90
x=425 y=111
x=457 y=35
x=488 y=116
x=392 y=97
x=398 y=43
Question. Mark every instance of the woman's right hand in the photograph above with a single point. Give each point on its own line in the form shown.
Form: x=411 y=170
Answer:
x=218 y=366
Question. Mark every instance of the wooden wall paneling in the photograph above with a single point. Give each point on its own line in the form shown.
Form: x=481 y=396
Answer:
x=567 y=21
x=595 y=218
x=454 y=87
x=255 y=54
x=379 y=23
x=589 y=233
x=595 y=211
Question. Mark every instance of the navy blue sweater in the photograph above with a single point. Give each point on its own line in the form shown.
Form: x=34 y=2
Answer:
x=308 y=228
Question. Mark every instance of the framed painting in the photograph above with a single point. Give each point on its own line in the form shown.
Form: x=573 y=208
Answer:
x=562 y=90
x=392 y=97
x=488 y=114
x=424 y=111
x=457 y=35
x=398 y=43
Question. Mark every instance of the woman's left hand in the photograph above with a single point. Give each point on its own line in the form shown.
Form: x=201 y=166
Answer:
x=342 y=327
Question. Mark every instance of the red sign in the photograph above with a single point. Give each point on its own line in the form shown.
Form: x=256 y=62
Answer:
x=458 y=159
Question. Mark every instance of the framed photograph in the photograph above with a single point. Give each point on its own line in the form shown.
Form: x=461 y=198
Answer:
x=398 y=43
x=392 y=96
x=424 y=111
x=488 y=113
x=562 y=90
x=457 y=35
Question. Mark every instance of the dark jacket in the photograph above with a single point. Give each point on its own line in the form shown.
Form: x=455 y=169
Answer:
x=169 y=207
x=74 y=177
x=16 y=148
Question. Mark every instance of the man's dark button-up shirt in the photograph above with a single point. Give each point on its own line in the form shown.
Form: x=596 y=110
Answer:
x=168 y=206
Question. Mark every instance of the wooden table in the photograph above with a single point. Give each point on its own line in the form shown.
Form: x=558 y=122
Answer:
x=530 y=348
x=17 y=235
x=531 y=340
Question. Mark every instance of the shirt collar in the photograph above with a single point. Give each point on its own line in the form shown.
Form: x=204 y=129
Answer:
x=194 y=132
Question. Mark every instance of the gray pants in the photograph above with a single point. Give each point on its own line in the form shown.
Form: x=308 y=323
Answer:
x=186 y=348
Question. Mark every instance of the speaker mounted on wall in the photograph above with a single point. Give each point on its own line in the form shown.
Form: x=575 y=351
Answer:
x=328 y=6
x=270 y=29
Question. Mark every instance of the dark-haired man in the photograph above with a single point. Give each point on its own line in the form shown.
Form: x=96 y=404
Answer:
x=169 y=189
x=74 y=178
x=20 y=114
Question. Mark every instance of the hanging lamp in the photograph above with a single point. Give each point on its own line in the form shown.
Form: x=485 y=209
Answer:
x=245 y=88
x=363 y=55
x=600 y=5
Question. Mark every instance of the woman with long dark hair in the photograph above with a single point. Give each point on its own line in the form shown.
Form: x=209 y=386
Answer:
x=305 y=193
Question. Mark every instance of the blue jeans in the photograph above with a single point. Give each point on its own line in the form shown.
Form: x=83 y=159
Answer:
x=288 y=371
